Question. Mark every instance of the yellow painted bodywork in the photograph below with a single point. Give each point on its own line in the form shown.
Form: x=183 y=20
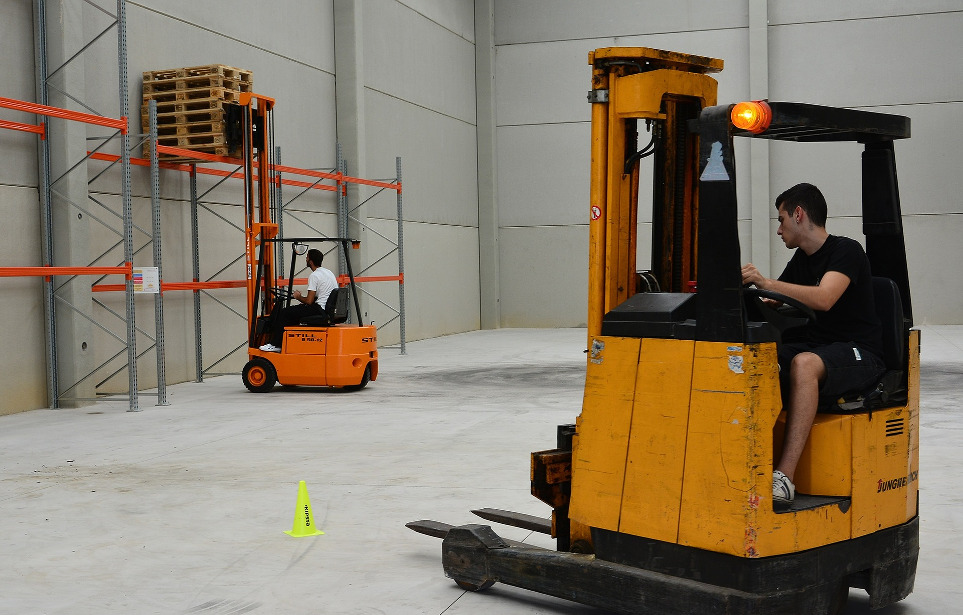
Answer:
x=676 y=443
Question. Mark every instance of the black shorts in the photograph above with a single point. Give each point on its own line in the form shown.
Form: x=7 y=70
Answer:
x=849 y=368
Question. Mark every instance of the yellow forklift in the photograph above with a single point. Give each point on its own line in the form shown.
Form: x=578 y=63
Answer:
x=661 y=491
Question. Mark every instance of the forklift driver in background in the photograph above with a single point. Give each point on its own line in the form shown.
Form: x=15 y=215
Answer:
x=842 y=347
x=320 y=284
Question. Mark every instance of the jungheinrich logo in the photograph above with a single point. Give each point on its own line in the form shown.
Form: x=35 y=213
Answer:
x=896 y=483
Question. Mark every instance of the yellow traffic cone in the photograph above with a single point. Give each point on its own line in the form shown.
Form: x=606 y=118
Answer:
x=303 y=520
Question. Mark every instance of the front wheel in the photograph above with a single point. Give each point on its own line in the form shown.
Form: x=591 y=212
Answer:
x=837 y=597
x=259 y=375
x=473 y=587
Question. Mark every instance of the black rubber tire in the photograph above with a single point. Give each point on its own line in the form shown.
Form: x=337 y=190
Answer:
x=472 y=587
x=365 y=379
x=259 y=375
x=838 y=599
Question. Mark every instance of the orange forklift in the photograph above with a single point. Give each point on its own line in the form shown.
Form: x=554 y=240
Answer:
x=323 y=350
x=661 y=492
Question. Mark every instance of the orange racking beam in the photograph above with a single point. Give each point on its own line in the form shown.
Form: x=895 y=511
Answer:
x=40 y=129
x=174 y=286
x=44 y=272
x=66 y=114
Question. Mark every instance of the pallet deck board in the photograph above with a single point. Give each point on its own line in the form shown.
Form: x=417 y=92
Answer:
x=188 y=129
x=187 y=106
x=194 y=71
x=188 y=116
x=223 y=94
x=190 y=83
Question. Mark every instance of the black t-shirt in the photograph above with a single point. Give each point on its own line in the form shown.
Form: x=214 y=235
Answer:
x=853 y=317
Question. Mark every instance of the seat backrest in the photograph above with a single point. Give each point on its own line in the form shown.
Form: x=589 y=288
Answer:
x=889 y=309
x=337 y=305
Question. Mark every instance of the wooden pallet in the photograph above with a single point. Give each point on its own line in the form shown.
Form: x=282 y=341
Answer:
x=184 y=117
x=220 y=70
x=222 y=94
x=190 y=106
x=186 y=130
x=186 y=106
x=194 y=140
x=191 y=83
x=217 y=150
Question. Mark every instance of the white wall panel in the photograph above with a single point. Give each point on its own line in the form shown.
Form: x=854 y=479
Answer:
x=544 y=276
x=412 y=58
x=18 y=150
x=438 y=161
x=543 y=172
x=23 y=379
x=832 y=10
x=929 y=180
x=929 y=170
x=868 y=62
x=292 y=29
x=554 y=20
x=835 y=168
x=933 y=252
x=455 y=15
x=441 y=279
x=542 y=84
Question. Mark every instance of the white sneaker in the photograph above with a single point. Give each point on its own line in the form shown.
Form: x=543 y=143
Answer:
x=783 y=491
x=270 y=348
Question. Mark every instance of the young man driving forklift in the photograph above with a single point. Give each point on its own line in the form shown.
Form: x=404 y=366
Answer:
x=320 y=284
x=841 y=350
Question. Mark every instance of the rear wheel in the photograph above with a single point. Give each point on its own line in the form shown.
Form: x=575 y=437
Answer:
x=365 y=379
x=259 y=375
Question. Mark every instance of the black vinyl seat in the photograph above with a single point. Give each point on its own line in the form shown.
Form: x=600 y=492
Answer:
x=335 y=310
x=891 y=388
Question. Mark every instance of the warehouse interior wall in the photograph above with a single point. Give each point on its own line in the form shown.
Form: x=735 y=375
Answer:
x=22 y=363
x=485 y=104
x=886 y=56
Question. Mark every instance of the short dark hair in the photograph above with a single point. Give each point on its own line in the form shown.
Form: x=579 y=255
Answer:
x=315 y=256
x=809 y=198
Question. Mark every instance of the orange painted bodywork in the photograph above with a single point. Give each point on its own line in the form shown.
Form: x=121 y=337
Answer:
x=324 y=356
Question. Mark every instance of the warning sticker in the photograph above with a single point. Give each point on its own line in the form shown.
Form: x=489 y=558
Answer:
x=596 y=212
x=715 y=170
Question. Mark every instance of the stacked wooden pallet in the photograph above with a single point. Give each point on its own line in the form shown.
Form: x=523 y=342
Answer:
x=190 y=106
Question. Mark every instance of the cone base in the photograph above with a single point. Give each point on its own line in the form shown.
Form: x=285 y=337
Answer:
x=301 y=534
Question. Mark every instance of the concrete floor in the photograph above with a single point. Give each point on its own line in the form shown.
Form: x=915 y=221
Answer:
x=183 y=508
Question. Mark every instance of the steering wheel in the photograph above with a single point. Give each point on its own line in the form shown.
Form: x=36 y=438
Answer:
x=281 y=295
x=281 y=292
x=797 y=315
x=771 y=294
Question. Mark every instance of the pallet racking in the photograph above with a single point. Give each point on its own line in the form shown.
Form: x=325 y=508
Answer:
x=56 y=170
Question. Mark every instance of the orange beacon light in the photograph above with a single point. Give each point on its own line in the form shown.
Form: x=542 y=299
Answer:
x=752 y=116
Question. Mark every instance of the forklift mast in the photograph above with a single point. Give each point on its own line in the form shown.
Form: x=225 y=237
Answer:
x=666 y=89
x=251 y=124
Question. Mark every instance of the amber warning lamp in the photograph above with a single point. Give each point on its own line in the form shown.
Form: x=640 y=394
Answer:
x=752 y=116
